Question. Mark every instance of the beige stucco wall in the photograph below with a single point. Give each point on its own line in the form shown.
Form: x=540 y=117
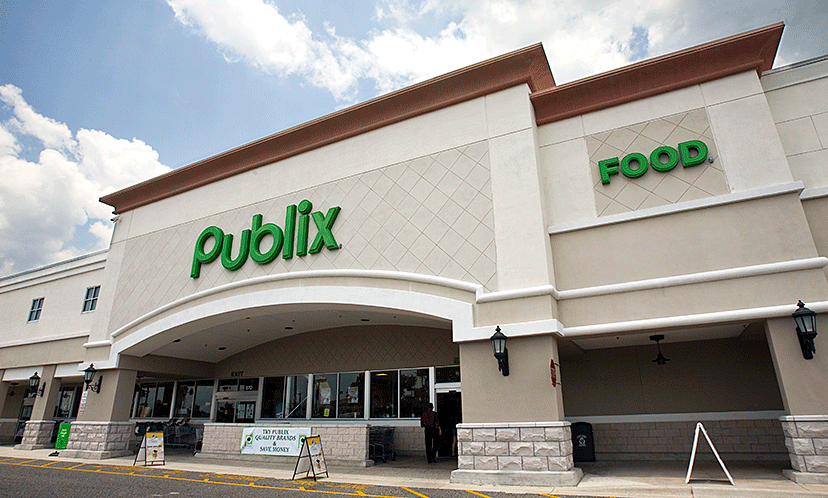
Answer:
x=801 y=119
x=765 y=230
x=344 y=350
x=731 y=115
x=432 y=215
x=720 y=375
x=526 y=395
x=816 y=212
x=802 y=382
x=63 y=288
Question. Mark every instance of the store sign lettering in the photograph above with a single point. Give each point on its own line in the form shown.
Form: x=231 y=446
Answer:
x=251 y=240
x=691 y=153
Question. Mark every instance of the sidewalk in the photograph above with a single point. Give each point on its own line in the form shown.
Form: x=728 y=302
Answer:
x=640 y=479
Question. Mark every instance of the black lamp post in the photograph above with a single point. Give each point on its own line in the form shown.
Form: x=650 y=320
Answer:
x=89 y=376
x=500 y=351
x=805 y=330
x=34 y=381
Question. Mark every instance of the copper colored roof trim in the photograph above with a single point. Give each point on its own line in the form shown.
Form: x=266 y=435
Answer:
x=525 y=66
x=753 y=50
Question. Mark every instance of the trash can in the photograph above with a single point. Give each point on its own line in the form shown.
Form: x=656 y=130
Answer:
x=583 y=445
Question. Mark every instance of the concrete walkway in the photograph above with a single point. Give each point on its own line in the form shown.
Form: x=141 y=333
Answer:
x=641 y=479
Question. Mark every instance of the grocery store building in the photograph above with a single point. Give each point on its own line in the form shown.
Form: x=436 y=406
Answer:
x=640 y=237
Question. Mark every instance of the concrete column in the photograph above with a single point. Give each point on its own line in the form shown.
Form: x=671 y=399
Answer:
x=103 y=429
x=804 y=388
x=38 y=431
x=513 y=430
x=524 y=254
x=4 y=391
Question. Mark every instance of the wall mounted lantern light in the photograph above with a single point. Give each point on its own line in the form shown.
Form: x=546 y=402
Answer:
x=660 y=359
x=34 y=381
x=805 y=329
x=500 y=351
x=89 y=376
x=11 y=391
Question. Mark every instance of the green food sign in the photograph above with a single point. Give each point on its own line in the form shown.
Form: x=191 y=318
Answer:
x=691 y=153
x=294 y=236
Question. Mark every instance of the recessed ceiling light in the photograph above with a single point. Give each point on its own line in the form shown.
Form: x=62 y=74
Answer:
x=366 y=320
x=222 y=348
x=288 y=328
x=177 y=340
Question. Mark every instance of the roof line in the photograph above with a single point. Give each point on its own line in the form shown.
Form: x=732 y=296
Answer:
x=524 y=66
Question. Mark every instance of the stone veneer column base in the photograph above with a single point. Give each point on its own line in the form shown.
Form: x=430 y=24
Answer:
x=518 y=477
x=99 y=440
x=806 y=437
x=36 y=435
x=516 y=453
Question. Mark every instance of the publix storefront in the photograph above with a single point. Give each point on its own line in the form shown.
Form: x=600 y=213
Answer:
x=640 y=237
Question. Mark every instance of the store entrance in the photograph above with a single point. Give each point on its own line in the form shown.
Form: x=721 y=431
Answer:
x=450 y=413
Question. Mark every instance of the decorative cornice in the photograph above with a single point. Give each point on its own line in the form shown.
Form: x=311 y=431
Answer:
x=751 y=51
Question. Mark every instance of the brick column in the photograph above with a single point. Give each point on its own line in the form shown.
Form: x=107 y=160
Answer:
x=806 y=437
x=36 y=435
x=519 y=453
x=99 y=440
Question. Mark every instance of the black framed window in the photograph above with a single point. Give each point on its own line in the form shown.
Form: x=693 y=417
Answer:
x=37 y=307
x=90 y=301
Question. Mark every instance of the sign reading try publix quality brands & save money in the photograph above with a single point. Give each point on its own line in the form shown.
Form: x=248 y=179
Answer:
x=282 y=441
x=294 y=236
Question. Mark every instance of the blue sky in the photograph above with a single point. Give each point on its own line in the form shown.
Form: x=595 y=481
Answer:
x=96 y=96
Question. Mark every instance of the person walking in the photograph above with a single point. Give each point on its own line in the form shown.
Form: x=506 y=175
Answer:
x=431 y=423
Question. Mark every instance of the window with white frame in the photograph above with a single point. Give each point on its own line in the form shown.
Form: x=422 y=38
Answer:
x=37 y=306
x=91 y=299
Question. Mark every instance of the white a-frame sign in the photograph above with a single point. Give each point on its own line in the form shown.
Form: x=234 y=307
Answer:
x=311 y=459
x=700 y=427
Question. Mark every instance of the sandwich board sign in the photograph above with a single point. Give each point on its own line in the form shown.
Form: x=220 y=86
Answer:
x=311 y=459
x=700 y=428
x=63 y=436
x=151 y=450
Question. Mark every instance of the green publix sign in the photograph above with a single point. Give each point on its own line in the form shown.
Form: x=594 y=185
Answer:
x=283 y=241
x=691 y=153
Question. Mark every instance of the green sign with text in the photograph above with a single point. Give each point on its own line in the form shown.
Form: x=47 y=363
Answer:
x=662 y=159
x=294 y=236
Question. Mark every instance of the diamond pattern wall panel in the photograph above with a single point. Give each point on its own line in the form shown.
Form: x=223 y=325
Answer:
x=654 y=188
x=431 y=215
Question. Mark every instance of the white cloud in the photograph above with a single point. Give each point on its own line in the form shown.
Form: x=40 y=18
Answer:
x=580 y=38
x=49 y=208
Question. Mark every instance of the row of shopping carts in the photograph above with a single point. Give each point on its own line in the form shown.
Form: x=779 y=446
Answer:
x=381 y=444
x=178 y=433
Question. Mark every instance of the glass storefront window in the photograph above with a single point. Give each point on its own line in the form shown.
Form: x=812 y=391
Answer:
x=203 y=399
x=154 y=400
x=324 y=396
x=384 y=394
x=146 y=401
x=163 y=400
x=414 y=391
x=296 y=395
x=273 y=397
x=351 y=395
x=184 y=399
x=68 y=402
x=447 y=374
